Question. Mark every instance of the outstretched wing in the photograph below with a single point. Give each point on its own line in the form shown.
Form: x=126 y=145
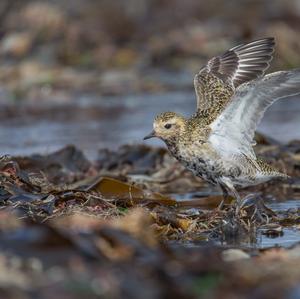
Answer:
x=215 y=83
x=233 y=130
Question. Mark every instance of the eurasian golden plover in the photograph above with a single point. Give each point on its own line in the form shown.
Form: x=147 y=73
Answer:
x=216 y=143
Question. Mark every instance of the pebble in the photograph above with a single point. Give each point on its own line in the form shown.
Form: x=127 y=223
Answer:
x=231 y=255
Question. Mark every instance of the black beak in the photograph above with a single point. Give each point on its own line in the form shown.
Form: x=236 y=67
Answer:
x=151 y=135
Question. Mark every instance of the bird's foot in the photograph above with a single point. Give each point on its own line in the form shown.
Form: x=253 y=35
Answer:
x=254 y=205
x=221 y=205
x=249 y=200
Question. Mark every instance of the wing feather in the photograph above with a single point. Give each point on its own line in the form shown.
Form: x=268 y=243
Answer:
x=216 y=82
x=233 y=130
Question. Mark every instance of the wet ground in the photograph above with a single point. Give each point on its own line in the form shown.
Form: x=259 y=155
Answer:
x=289 y=236
x=129 y=221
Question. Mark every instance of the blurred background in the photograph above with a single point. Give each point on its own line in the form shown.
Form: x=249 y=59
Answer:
x=95 y=73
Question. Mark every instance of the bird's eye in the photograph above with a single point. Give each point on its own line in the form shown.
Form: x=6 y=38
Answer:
x=168 y=126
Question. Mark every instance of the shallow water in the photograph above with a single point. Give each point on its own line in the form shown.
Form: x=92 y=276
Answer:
x=92 y=122
x=290 y=234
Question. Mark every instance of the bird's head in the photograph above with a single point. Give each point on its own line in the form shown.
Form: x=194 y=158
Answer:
x=167 y=126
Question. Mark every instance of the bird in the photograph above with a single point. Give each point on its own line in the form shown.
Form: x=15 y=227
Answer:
x=232 y=91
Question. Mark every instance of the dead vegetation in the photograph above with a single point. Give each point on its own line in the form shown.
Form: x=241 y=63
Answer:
x=111 y=229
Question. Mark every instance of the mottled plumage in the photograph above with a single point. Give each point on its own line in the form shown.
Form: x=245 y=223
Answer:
x=216 y=82
x=232 y=96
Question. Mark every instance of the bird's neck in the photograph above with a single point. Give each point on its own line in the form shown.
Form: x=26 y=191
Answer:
x=170 y=142
x=174 y=142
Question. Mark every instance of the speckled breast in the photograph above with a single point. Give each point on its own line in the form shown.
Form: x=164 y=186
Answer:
x=203 y=168
x=195 y=162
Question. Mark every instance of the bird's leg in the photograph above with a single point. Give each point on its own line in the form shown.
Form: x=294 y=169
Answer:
x=238 y=200
x=250 y=200
x=225 y=196
x=229 y=187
